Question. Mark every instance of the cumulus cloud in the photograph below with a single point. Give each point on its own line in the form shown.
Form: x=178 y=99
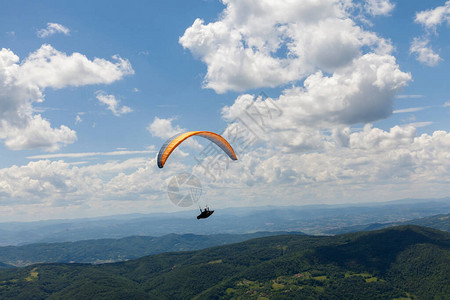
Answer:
x=37 y=133
x=371 y=165
x=430 y=20
x=51 y=29
x=57 y=181
x=379 y=7
x=23 y=83
x=48 y=67
x=433 y=17
x=394 y=163
x=349 y=74
x=378 y=139
x=423 y=52
x=368 y=164
x=163 y=128
x=309 y=144
x=363 y=92
x=270 y=43
x=112 y=103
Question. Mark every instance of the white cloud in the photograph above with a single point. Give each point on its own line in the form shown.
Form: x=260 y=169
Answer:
x=112 y=103
x=56 y=189
x=60 y=182
x=447 y=104
x=270 y=43
x=23 y=83
x=363 y=92
x=163 y=128
x=48 y=67
x=350 y=76
x=420 y=124
x=408 y=96
x=433 y=17
x=378 y=139
x=51 y=29
x=430 y=19
x=423 y=52
x=87 y=154
x=410 y=110
x=379 y=7
x=36 y=133
x=374 y=164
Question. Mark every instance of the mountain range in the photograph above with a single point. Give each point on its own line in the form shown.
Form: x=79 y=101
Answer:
x=311 y=219
x=113 y=250
x=441 y=222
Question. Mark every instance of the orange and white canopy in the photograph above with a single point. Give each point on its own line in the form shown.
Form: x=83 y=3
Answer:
x=173 y=142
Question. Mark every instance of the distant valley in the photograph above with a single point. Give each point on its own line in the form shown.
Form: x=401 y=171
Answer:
x=317 y=219
x=120 y=249
x=441 y=222
x=113 y=250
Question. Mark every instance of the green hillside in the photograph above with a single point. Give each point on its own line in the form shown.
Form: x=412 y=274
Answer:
x=396 y=263
x=441 y=222
x=113 y=250
x=4 y=266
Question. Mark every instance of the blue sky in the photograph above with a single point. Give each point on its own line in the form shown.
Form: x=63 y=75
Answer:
x=92 y=90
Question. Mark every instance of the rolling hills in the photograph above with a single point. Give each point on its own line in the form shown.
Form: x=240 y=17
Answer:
x=404 y=262
x=113 y=250
x=441 y=222
x=310 y=219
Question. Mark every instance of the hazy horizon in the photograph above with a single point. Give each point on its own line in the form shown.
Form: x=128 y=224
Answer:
x=191 y=212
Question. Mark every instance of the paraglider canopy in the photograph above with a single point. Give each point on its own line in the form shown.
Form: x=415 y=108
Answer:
x=173 y=142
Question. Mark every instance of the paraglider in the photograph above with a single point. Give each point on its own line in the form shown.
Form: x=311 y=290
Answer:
x=173 y=142
x=170 y=145
x=205 y=213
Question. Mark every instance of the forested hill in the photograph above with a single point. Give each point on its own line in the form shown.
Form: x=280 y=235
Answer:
x=113 y=250
x=441 y=222
x=399 y=262
x=3 y=265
